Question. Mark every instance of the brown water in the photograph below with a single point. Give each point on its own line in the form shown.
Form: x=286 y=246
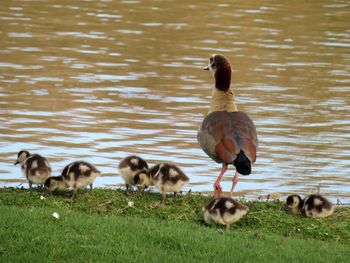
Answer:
x=98 y=80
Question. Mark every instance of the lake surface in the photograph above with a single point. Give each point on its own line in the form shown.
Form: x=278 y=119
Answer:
x=99 y=80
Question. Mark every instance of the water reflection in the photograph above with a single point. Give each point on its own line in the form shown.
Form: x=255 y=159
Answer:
x=98 y=80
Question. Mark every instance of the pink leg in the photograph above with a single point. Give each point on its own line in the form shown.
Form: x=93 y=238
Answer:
x=217 y=186
x=234 y=182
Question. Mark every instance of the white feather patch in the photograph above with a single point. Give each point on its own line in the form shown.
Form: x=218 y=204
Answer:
x=172 y=172
x=317 y=201
x=83 y=168
x=228 y=204
x=134 y=161
x=34 y=164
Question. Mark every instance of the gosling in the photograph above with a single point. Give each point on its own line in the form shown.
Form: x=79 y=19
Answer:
x=35 y=167
x=224 y=211
x=313 y=205
x=75 y=176
x=294 y=204
x=316 y=205
x=168 y=177
x=134 y=171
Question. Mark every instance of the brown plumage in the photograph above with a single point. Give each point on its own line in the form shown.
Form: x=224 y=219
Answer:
x=167 y=177
x=224 y=211
x=35 y=167
x=228 y=136
x=75 y=175
x=314 y=205
x=295 y=204
x=134 y=171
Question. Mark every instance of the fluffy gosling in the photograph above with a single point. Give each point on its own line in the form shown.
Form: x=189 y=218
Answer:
x=75 y=175
x=316 y=205
x=313 y=205
x=294 y=203
x=35 y=167
x=134 y=171
x=224 y=211
x=168 y=178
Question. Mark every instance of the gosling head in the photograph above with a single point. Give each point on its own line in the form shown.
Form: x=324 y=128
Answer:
x=22 y=156
x=143 y=178
x=55 y=183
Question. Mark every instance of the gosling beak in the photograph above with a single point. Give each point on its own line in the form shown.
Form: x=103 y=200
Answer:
x=206 y=68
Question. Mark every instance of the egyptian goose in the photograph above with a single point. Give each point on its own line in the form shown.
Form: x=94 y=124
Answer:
x=227 y=135
x=35 y=167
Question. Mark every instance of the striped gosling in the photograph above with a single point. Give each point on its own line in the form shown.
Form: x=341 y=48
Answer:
x=168 y=177
x=134 y=171
x=75 y=176
x=314 y=205
x=224 y=211
x=35 y=167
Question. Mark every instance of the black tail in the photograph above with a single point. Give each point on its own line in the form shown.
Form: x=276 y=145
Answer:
x=242 y=164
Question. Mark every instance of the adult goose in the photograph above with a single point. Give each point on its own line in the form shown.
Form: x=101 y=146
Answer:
x=227 y=135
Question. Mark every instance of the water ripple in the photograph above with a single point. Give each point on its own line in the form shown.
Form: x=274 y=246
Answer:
x=99 y=80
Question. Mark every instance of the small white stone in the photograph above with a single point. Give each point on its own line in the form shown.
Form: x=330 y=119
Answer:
x=42 y=197
x=56 y=215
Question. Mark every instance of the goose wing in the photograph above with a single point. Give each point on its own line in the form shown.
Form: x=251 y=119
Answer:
x=223 y=135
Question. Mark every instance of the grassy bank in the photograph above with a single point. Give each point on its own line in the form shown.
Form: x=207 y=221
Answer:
x=102 y=227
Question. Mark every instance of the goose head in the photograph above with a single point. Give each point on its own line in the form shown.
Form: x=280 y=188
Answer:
x=220 y=67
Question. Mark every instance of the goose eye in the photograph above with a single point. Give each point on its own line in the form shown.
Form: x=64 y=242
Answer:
x=211 y=60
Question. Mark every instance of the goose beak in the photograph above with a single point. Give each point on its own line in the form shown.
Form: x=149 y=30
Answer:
x=17 y=162
x=206 y=68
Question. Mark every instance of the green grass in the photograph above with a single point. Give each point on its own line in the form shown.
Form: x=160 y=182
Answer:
x=101 y=227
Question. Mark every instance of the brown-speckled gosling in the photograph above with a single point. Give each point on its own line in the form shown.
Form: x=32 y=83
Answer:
x=224 y=211
x=316 y=205
x=35 y=167
x=75 y=175
x=313 y=205
x=168 y=177
x=134 y=171
x=294 y=203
